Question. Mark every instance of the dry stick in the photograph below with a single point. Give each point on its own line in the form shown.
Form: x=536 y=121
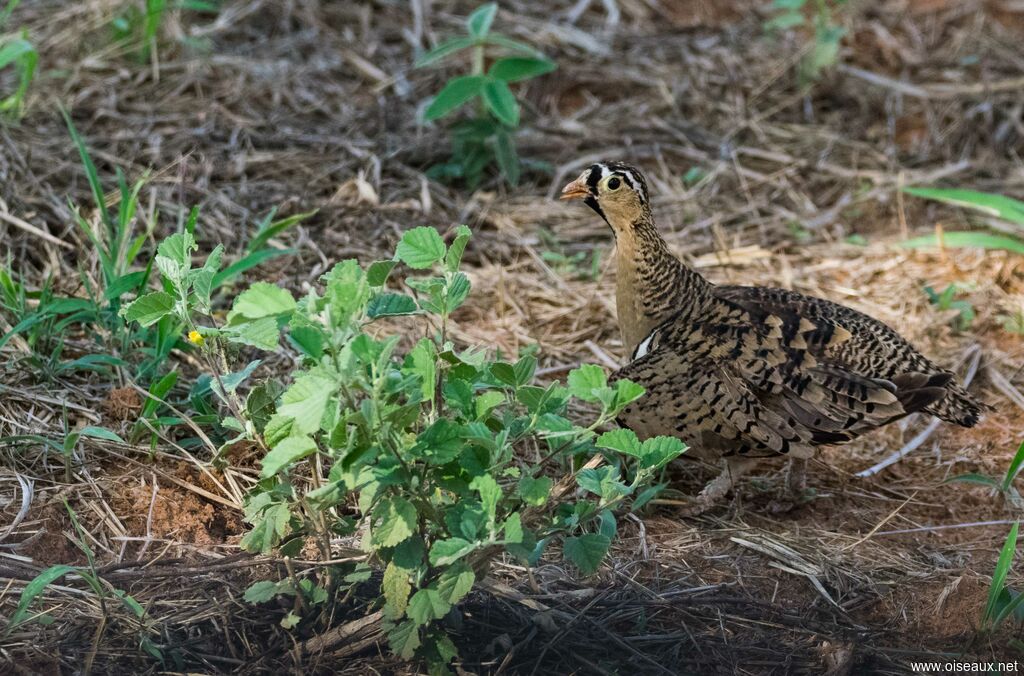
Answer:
x=881 y=523
x=927 y=431
x=1001 y=383
x=936 y=90
x=33 y=230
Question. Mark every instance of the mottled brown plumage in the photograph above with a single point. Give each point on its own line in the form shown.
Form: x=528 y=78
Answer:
x=747 y=372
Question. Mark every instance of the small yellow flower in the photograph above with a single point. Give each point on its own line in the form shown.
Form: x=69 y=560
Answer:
x=196 y=338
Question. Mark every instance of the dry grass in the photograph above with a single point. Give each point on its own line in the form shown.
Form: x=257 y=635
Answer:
x=286 y=104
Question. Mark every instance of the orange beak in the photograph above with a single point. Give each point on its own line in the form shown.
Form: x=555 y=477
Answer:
x=576 y=190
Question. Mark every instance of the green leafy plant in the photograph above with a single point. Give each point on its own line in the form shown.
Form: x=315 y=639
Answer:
x=947 y=300
x=20 y=54
x=140 y=25
x=117 y=239
x=992 y=205
x=578 y=265
x=824 y=52
x=488 y=136
x=438 y=459
x=137 y=25
x=1004 y=485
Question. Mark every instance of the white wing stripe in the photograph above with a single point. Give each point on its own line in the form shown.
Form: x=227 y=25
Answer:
x=645 y=345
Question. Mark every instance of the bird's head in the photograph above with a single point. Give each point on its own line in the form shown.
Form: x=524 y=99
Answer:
x=616 y=191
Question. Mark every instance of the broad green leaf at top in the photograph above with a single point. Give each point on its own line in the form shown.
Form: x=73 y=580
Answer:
x=420 y=248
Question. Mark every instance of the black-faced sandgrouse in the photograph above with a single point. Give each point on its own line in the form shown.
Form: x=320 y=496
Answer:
x=742 y=372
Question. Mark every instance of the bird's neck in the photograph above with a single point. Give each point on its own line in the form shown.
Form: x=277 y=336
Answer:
x=651 y=283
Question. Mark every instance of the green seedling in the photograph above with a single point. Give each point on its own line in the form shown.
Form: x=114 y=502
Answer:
x=487 y=137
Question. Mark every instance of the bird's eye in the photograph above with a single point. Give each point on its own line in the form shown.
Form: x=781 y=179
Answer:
x=614 y=183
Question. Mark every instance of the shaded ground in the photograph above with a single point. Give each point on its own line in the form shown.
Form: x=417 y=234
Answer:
x=298 y=105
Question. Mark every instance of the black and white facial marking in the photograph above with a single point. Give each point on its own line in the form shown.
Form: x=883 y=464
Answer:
x=618 y=175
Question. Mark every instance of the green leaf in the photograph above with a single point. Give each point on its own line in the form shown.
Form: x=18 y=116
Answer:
x=506 y=156
x=409 y=554
x=586 y=380
x=487 y=401
x=378 y=272
x=404 y=640
x=427 y=605
x=602 y=481
x=455 y=583
x=621 y=440
x=100 y=433
x=443 y=50
x=785 y=21
x=504 y=373
x=306 y=400
x=999 y=575
x=269 y=228
x=626 y=392
x=979 y=240
x=232 y=381
x=446 y=552
x=454 y=256
x=534 y=492
x=347 y=291
x=202 y=279
x=490 y=493
x=441 y=442
x=420 y=248
x=586 y=551
x=513 y=528
x=512 y=45
x=263 y=299
x=973 y=478
x=262 y=333
x=178 y=248
x=286 y=452
x=657 y=452
x=421 y=362
x=277 y=428
x=390 y=305
x=262 y=591
x=454 y=94
x=479 y=22
x=457 y=292
x=34 y=588
x=1014 y=468
x=149 y=309
x=500 y=100
x=291 y=620
x=607 y=525
x=514 y=69
x=396 y=521
x=14 y=49
x=999 y=206
x=396 y=588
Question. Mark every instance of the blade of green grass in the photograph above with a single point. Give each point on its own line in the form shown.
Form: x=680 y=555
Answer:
x=961 y=239
x=1000 y=573
x=1014 y=468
